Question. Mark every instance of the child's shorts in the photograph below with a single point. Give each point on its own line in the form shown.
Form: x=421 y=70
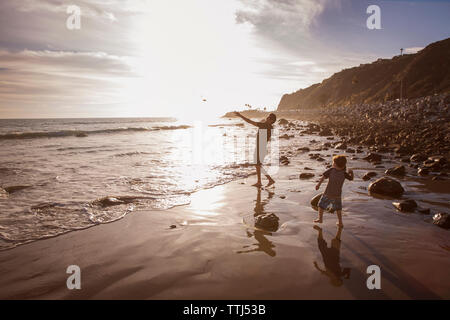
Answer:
x=325 y=202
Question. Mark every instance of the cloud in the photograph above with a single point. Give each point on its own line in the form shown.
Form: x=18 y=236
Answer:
x=413 y=49
x=41 y=25
x=284 y=22
x=59 y=77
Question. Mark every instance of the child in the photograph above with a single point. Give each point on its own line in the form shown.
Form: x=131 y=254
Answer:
x=263 y=137
x=332 y=195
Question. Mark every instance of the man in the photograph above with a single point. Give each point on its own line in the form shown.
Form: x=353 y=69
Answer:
x=262 y=138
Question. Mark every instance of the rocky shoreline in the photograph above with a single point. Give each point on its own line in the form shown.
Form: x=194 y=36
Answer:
x=416 y=131
x=418 y=126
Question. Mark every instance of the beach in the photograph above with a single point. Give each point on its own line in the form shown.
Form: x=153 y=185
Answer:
x=210 y=248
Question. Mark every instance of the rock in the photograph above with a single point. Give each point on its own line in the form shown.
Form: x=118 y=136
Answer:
x=173 y=226
x=396 y=171
x=267 y=221
x=282 y=197
x=439 y=159
x=405 y=205
x=108 y=201
x=341 y=146
x=417 y=157
x=307 y=168
x=424 y=210
x=12 y=189
x=306 y=149
x=325 y=132
x=3 y=193
x=442 y=220
x=369 y=175
x=81 y=135
x=286 y=136
x=284 y=160
x=432 y=166
x=403 y=150
x=373 y=157
x=320 y=159
x=423 y=171
x=306 y=175
x=386 y=186
x=437 y=178
x=315 y=201
x=349 y=150
x=283 y=122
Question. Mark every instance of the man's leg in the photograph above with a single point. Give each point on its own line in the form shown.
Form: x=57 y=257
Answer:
x=258 y=174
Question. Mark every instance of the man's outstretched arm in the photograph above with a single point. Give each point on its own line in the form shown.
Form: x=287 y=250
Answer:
x=246 y=119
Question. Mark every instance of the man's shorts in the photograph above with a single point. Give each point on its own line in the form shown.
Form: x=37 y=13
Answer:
x=325 y=202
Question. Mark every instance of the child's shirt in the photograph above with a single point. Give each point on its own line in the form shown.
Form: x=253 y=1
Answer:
x=336 y=179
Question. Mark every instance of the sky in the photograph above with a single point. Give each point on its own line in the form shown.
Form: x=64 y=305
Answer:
x=191 y=58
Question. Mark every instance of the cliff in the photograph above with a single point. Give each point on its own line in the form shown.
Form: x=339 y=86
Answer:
x=424 y=73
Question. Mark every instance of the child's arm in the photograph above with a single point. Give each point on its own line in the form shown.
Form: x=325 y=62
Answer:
x=246 y=119
x=320 y=182
x=349 y=175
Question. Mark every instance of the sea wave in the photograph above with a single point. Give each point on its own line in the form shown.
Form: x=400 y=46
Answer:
x=84 y=133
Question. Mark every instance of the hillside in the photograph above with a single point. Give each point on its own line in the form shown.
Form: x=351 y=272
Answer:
x=424 y=73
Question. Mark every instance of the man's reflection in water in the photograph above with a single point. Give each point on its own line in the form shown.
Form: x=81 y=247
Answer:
x=263 y=244
x=331 y=258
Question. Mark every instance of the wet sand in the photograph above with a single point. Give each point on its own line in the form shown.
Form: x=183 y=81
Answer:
x=214 y=252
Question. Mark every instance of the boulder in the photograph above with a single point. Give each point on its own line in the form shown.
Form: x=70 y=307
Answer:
x=81 y=135
x=424 y=210
x=386 y=186
x=284 y=160
x=442 y=220
x=315 y=202
x=396 y=171
x=306 y=175
x=423 y=171
x=341 y=146
x=283 y=122
x=12 y=189
x=325 y=132
x=405 y=205
x=432 y=166
x=108 y=202
x=418 y=158
x=373 y=157
x=286 y=136
x=306 y=149
x=369 y=175
x=267 y=221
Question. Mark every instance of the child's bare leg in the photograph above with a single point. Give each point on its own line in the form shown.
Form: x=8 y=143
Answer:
x=319 y=220
x=339 y=215
x=271 y=181
x=258 y=174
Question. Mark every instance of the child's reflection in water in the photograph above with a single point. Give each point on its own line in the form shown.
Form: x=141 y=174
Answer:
x=264 y=244
x=331 y=258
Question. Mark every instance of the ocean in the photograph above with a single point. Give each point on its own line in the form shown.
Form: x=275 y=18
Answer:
x=68 y=174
